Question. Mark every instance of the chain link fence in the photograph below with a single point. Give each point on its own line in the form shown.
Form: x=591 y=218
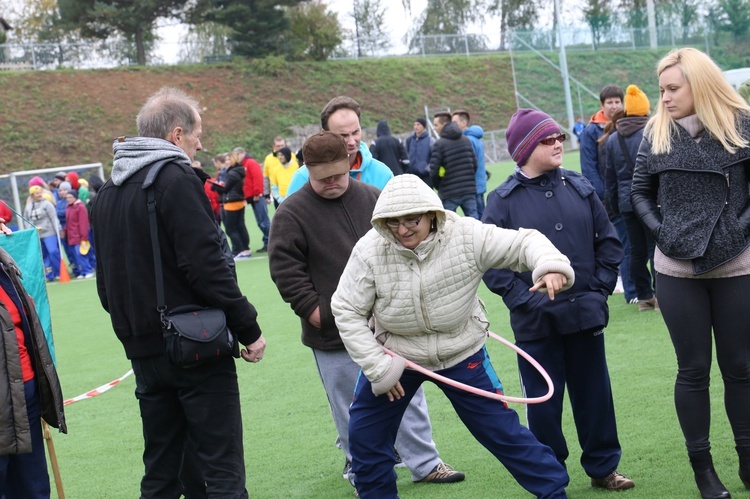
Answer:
x=109 y=54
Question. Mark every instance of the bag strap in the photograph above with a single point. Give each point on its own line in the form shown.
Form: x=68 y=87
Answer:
x=161 y=305
x=625 y=151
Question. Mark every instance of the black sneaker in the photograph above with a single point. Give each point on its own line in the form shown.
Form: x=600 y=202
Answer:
x=264 y=249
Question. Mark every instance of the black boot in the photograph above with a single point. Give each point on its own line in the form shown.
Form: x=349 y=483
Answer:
x=706 y=478
x=744 y=453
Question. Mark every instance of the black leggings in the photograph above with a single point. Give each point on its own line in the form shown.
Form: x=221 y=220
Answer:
x=691 y=309
x=234 y=224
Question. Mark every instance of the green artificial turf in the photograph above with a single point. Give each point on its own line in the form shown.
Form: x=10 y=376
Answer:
x=288 y=431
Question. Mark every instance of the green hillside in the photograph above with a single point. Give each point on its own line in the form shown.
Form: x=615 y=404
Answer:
x=55 y=118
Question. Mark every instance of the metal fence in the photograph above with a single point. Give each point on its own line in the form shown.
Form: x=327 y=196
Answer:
x=107 y=54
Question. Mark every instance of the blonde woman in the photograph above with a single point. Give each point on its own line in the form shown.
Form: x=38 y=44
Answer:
x=690 y=190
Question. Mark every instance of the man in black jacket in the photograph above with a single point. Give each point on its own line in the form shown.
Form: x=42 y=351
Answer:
x=175 y=403
x=389 y=149
x=453 y=166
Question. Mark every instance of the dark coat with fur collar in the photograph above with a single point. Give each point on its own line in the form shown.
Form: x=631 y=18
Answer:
x=695 y=199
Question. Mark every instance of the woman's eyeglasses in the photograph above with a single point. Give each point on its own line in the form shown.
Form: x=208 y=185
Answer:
x=409 y=224
x=551 y=140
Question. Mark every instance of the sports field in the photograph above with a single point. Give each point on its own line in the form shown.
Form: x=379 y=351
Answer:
x=288 y=432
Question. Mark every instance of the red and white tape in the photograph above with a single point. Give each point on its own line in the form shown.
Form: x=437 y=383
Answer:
x=98 y=391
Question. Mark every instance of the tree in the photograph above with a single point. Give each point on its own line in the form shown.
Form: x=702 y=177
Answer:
x=598 y=15
x=735 y=17
x=369 y=20
x=636 y=18
x=441 y=21
x=205 y=40
x=314 y=32
x=686 y=12
x=258 y=26
x=134 y=19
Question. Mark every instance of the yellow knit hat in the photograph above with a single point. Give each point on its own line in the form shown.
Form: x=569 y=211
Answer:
x=636 y=102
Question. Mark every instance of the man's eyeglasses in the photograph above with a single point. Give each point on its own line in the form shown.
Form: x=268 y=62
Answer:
x=551 y=140
x=409 y=224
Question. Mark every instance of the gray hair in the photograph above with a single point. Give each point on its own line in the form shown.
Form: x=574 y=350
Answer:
x=164 y=111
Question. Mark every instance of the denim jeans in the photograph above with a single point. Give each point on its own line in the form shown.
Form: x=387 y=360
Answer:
x=467 y=202
x=260 y=210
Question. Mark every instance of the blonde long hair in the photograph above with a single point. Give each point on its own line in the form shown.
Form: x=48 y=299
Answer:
x=717 y=104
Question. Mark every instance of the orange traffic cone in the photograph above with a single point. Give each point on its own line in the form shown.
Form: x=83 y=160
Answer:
x=64 y=277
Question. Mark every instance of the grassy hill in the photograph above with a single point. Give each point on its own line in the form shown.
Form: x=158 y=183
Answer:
x=56 y=118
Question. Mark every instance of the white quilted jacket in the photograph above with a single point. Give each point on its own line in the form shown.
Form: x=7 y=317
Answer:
x=424 y=301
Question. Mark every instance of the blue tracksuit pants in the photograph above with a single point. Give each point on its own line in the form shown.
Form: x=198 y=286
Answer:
x=374 y=422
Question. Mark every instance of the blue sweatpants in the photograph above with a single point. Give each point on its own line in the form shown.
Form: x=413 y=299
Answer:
x=374 y=422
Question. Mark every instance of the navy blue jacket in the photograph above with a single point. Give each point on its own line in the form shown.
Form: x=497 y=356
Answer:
x=618 y=171
x=563 y=206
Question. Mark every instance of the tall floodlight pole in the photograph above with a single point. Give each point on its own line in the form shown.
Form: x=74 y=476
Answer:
x=564 y=71
x=651 y=23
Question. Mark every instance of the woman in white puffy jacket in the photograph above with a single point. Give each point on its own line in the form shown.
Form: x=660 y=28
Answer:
x=417 y=273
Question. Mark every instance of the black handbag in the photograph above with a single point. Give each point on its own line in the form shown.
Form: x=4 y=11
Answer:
x=193 y=335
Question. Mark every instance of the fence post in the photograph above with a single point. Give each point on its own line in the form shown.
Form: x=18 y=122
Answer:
x=466 y=44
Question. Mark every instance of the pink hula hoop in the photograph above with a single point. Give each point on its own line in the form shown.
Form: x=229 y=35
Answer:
x=484 y=393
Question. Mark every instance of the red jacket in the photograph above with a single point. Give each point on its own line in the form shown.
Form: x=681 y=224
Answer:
x=213 y=197
x=253 y=177
x=76 y=223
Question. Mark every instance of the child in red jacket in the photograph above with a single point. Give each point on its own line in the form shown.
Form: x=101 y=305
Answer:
x=77 y=233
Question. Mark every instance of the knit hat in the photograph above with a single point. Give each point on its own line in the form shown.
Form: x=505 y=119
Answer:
x=325 y=155
x=73 y=193
x=421 y=121
x=60 y=175
x=64 y=186
x=526 y=128
x=636 y=103
x=33 y=189
x=36 y=181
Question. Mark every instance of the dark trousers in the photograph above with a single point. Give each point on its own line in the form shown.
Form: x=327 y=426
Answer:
x=641 y=255
x=234 y=223
x=578 y=362
x=260 y=210
x=627 y=282
x=692 y=309
x=374 y=422
x=24 y=476
x=201 y=403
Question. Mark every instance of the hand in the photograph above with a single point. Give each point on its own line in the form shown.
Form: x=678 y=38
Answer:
x=254 y=351
x=396 y=392
x=314 y=318
x=256 y=199
x=552 y=282
x=4 y=228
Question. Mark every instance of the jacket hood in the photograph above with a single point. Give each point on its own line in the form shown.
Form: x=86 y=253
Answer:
x=72 y=177
x=95 y=183
x=451 y=131
x=628 y=125
x=134 y=153
x=474 y=131
x=405 y=195
x=383 y=128
x=599 y=118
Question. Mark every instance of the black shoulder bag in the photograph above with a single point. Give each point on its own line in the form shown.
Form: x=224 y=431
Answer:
x=193 y=334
